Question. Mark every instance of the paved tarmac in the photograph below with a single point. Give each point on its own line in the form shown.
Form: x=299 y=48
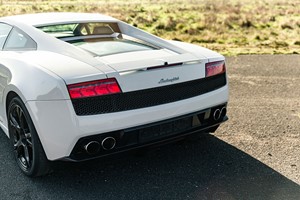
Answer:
x=255 y=155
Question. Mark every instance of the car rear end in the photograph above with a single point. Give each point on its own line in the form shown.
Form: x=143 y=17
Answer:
x=150 y=94
x=148 y=103
x=133 y=119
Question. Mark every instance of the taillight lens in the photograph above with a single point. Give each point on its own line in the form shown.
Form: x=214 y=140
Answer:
x=214 y=68
x=94 y=88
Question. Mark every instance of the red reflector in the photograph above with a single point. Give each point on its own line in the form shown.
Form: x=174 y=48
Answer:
x=215 y=68
x=94 y=88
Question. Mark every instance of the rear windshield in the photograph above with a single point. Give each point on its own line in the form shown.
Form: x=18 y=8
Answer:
x=100 y=39
x=102 y=47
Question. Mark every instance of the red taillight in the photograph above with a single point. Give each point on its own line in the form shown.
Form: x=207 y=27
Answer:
x=215 y=68
x=94 y=88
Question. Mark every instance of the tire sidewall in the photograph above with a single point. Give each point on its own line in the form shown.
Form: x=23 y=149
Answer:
x=36 y=145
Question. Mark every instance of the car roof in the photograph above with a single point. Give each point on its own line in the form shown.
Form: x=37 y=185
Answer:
x=40 y=19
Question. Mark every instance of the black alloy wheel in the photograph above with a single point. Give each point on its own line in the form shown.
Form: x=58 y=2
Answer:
x=27 y=147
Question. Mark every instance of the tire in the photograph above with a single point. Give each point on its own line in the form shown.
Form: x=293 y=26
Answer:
x=28 y=151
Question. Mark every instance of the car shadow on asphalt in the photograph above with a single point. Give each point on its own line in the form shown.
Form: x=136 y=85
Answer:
x=207 y=168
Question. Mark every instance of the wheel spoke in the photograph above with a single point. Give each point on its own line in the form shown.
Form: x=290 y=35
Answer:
x=18 y=144
x=18 y=111
x=28 y=139
x=20 y=117
x=14 y=123
x=26 y=156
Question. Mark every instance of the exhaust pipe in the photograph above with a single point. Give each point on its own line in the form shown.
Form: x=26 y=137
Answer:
x=217 y=114
x=92 y=147
x=108 y=143
x=223 y=112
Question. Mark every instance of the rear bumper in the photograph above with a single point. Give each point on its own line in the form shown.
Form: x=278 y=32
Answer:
x=60 y=129
x=150 y=134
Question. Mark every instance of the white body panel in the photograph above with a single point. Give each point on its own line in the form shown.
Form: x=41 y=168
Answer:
x=40 y=77
x=62 y=132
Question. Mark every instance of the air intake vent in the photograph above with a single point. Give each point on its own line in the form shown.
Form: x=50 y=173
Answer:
x=147 y=98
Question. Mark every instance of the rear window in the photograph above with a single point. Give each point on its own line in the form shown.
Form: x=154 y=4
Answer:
x=97 y=38
x=102 y=47
x=18 y=40
x=4 y=31
x=63 y=30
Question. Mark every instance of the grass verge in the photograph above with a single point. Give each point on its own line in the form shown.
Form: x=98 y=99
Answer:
x=230 y=27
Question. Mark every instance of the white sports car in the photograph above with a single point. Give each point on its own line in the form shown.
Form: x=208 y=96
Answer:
x=78 y=86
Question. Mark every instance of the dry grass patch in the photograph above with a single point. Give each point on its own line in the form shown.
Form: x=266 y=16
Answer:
x=229 y=26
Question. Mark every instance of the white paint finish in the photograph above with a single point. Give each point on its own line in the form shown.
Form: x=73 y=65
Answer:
x=29 y=80
x=59 y=128
x=134 y=76
x=152 y=39
x=40 y=77
x=134 y=60
x=69 y=69
x=199 y=51
x=139 y=80
x=46 y=42
x=144 y=59
x=127 y=119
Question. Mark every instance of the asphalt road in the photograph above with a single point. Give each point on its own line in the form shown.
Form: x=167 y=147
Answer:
x=255 y=155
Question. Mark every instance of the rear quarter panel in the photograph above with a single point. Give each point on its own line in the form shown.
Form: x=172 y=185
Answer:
x=29 y=82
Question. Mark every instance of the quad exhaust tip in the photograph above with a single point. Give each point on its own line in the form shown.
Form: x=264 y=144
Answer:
x=108 y=143
x=223 y=112
x=92 y=147
x=219 y=113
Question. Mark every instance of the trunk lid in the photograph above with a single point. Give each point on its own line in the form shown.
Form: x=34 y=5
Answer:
x=166 y=67
x=142 y=60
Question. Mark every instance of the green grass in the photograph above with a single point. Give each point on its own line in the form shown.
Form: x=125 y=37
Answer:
x=231 y=27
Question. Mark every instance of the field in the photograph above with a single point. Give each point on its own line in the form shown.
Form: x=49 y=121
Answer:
x=231 y=27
